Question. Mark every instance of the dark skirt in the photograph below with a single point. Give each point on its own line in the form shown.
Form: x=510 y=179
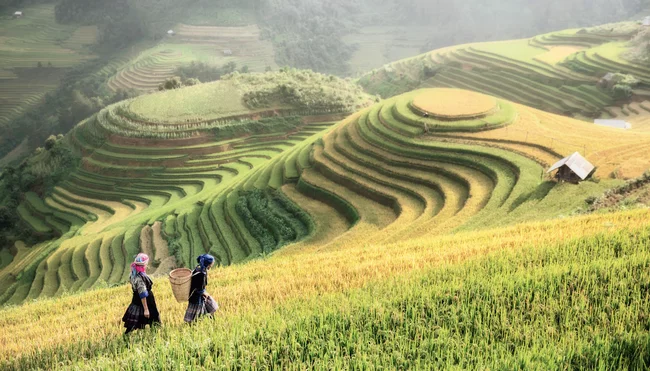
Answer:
x=134 y=316
x=203 y=307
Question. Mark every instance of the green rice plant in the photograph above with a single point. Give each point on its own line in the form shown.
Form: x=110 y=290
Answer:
x=277 y=179
x=169 y=226
x=337 y=202
x=302 y=223
x=80 y=267
x=184 y=252
x=66 y=273
x=106 y=260
x=243 y=235
x=94 y=262
x=198 y=244
x=131 y=249
x=261 y=233
x=223 y=228
x=213 y=243
x=33 y=222
x=119 y=258
x=5 y=258
x=38 y=283
x=51 y=281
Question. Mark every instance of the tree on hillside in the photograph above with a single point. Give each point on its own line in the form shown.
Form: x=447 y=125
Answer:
x=171 y=83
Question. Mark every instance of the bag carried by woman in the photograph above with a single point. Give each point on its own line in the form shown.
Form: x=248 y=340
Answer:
x=200 y=302
x=143 y=310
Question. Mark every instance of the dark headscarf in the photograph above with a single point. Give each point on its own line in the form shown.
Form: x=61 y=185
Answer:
x=205 y=260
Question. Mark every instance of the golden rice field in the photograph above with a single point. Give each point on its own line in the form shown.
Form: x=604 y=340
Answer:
x=548 y=137
x=558 y=53
x=454 y=103
x=390 y=238
x=252 y=289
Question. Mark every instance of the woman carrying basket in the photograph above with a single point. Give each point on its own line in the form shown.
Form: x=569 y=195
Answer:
x=200 y=302
x=143 y=310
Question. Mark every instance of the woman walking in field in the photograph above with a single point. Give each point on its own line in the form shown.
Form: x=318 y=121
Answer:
x=200 y=302
x=143 y=310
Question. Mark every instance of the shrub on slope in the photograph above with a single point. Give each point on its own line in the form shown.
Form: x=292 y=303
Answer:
x=298 y=88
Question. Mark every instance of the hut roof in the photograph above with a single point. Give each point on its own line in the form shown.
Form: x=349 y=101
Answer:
x=646 y=21
x=18 y=13
x=618 y=124
x=608 y=76
x=170 y=32
x=578 y=164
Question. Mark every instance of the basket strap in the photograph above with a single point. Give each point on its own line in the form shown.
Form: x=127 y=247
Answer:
x=192 y=293
x=184 y=282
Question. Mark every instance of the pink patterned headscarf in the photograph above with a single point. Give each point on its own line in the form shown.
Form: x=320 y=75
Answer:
x=139 y=265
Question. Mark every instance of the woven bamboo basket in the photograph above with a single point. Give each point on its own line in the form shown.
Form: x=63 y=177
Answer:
x=181 y=280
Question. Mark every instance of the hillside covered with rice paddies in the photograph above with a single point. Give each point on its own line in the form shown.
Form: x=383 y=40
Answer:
x=419 y=231
x=564 y=72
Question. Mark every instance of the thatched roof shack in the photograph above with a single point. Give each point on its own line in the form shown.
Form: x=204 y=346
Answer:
x=573 y=169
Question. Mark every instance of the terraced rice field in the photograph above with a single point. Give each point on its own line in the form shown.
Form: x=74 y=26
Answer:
x=172 y=185
x=558 y=54
x=636 y=113
x=26 y=42
x=26 y=88
x=195 y=43
x=452 y=104
x=427 y=216
x=384 y=174
x=148 y=71
x=556 y=72
x=373 y=195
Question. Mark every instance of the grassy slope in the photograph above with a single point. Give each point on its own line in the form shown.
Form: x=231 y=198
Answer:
x=208 y=101
x=532 y=296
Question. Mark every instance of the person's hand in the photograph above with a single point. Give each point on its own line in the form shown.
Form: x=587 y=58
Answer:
x=146 y=313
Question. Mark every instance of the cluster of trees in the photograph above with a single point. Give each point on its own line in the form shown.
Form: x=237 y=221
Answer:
x=308 y=33
x=39 y=173
x=300 y=88
x=624 y=85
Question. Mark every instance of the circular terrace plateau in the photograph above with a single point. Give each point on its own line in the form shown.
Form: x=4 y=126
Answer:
x=454 y=104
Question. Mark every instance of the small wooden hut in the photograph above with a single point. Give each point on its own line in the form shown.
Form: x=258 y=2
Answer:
x=18 y=14
x=572 y=169
x=171 y=33
x=227 y=52
x=608 y=81
x=646 y=22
